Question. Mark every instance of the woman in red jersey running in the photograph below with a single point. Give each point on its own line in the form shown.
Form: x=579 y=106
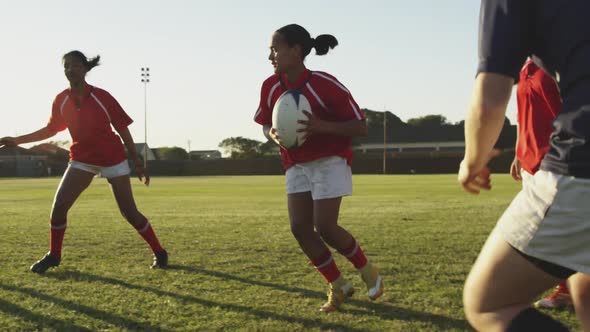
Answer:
x=318 y=172
x=88 y=113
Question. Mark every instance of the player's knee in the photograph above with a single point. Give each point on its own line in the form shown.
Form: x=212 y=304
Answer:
x=472 y=305
x=59 y=210
x=299 y=231
x=126 y=214
x=132 y=216
x=326 y=232
x=580 y=292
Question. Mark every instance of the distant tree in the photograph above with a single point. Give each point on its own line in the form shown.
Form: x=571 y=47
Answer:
x=65 y=144
x=375 y=119
x=173 y=153
x=54 y=150
x=433 y=120
x=241 y=147
x=268 y=148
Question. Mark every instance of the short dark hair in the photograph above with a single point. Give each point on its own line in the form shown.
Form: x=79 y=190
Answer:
x=88 y=62
x=295 y=34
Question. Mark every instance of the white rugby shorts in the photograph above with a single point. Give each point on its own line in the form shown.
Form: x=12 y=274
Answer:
x=328 y=177
x=101 y=171
x=549 y=219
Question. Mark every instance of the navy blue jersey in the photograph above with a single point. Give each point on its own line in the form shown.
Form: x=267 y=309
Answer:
x=557 y=34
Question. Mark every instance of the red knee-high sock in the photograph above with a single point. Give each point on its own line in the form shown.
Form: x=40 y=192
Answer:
x=326 y=265
x=355 y=255
x=147 y=233
x=58 y=230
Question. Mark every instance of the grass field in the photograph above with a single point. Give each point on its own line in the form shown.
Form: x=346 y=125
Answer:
x=235 y=264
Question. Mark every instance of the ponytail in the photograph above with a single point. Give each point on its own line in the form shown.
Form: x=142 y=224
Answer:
x=93 y=62
x=295 y=34
x=324 y=43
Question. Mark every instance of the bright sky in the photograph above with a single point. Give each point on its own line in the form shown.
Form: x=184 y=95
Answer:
x=208 y=59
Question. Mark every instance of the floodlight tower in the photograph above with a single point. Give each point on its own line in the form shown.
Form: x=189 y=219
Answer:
x=145 y=79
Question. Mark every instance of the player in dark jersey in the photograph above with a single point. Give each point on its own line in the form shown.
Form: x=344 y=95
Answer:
x=542 y=238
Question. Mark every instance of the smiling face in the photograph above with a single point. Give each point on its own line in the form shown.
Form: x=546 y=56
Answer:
x=74 y=69
x=282 y=56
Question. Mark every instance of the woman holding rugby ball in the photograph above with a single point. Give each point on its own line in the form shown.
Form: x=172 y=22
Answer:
x=318 y=172
x=88 y=112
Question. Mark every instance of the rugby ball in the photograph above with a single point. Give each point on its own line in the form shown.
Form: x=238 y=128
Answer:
x=286 y=112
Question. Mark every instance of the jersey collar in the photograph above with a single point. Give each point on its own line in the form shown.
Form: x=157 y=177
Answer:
x=86 y=94
x=297 y=85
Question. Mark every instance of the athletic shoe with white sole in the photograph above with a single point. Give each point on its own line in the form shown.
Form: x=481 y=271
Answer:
x=374 y=282
x=339 y=291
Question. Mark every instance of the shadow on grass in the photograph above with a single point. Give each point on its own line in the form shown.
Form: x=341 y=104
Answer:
x=381 y=310
x=41 y=321
x=308 y=323
x=119 y=321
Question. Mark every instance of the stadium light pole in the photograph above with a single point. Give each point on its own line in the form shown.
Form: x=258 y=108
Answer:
x=145 y=79
x=384 y=142
x=189 y=149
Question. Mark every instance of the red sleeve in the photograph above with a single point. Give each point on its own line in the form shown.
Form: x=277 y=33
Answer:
x=56 y=122
x=339 y=100
x=263 y=114
x=119 y=119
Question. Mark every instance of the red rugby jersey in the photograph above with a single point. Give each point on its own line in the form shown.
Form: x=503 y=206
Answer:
x=329 y=100
x=89 y=123
x=539 y=103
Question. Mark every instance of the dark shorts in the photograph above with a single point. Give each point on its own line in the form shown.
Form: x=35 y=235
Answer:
x=555 y=270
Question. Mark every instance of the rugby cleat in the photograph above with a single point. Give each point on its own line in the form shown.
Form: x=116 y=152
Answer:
x=160 y=260
x=374 y=282
x=45 y=263
x=339 y=291
x=560 y=299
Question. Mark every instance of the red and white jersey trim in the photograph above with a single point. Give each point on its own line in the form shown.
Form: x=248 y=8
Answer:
x=338 y=84
x=316 y=95
x=272 y=91
x=63 y=103
x=356 y=111
x=101 y=106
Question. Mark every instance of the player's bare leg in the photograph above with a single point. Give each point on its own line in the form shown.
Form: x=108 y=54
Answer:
x=325 y=214
x=121 y=187
x=501 y=287
x=580 y=291
x=301 y=214
x=73 y=183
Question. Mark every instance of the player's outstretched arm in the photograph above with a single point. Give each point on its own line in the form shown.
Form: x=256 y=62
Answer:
x=39 y=135
x=483 y=125
x=137 y=163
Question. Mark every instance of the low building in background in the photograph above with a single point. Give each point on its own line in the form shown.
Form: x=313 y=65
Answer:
x=16 y=161
x=205 y=154
x=141 y=150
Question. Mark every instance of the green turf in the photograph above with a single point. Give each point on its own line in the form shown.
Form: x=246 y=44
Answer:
x=235 y=264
